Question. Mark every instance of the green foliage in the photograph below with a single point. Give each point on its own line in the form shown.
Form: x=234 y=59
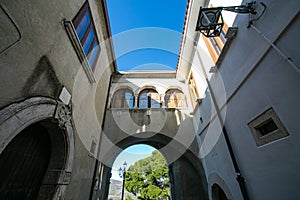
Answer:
x=148 y=177
x=153 y=162
x=133 y=182
x=128 y=198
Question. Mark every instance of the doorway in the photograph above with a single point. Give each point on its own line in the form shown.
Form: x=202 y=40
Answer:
x=24 y=162
x=187 y=179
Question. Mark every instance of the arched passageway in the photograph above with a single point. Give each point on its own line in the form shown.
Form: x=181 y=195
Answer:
x=143 y=172
x=24 y=162
x=32 y=163
x=187 y=178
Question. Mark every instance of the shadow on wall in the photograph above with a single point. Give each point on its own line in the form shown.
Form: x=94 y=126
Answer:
x=42 y=81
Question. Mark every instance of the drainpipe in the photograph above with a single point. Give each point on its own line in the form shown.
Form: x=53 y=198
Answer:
x=102 y=127
x=240 y=179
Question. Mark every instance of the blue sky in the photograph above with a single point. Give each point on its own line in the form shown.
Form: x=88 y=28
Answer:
x=130 y=155
x=155 y=48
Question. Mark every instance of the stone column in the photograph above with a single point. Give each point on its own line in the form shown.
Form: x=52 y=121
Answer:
x=136 y=98
x=162 y=100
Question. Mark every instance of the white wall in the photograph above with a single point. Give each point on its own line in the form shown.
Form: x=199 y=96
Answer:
x=255 y=78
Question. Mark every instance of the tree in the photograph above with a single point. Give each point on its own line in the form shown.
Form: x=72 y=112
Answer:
x=153 y=162
x=129 y=198
x=149 y=178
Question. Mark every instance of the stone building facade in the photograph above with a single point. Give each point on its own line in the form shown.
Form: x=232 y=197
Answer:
x=47 y=82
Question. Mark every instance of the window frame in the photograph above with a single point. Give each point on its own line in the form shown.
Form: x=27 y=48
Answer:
x=193 y=90
x=215 y=45
x=91 y=27
x=261 y=138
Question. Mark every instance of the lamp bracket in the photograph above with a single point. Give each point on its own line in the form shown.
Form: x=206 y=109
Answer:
x=243 y=9
x=210 y=21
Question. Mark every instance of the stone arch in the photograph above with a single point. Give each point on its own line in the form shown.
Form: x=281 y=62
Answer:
x=175 y=98
x=55 y=117
x=150 y=98
x=214 y=181
x=24 y=162
x=120 y=100
x=187 y=165
x=120 y=87
x=173 y=87
x=140 y=89
x=114 y=89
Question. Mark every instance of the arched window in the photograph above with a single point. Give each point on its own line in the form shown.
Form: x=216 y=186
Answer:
x=123 y=98
x=149 y=98
x=218 y=193
x=174 y=98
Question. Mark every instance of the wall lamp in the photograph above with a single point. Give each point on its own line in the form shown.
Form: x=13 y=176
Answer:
x=210 y=21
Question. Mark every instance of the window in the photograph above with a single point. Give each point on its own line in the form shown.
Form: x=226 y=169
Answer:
x=174 y=98
x=86 y=33
x=123 y=98
x=216 y=44
x=193 y=90
x=267 y=127
x=149 y=98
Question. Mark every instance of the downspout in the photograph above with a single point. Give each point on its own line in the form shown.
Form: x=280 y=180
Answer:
x=240 y=179
x=97 y=164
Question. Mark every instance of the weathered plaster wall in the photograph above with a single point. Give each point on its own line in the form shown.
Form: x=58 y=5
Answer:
x=44 y=60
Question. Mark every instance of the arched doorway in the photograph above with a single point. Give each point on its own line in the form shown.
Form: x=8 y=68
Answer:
x=139 y=171
x=187 y=177
x=37 y=136
x=24 y=162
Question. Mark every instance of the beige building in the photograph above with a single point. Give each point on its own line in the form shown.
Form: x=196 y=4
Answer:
x=226 y=120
